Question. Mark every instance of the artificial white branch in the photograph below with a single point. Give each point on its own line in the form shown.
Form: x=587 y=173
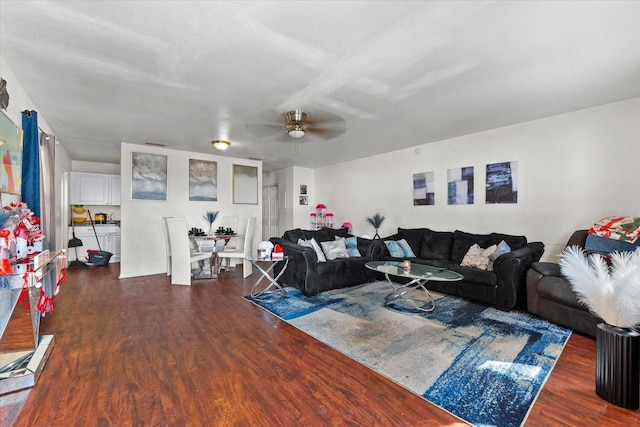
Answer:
x=613 y=293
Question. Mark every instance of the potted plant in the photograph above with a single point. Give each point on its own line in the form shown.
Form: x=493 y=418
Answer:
x=376 y=221
x=612 y=292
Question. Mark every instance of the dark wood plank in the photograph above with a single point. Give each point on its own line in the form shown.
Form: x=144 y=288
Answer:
x=140 y=352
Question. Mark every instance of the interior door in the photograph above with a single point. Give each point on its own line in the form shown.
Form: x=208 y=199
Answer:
x=270 y=212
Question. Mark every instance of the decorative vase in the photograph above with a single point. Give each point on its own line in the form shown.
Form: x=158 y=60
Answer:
x=618 y=365
x=211 y=230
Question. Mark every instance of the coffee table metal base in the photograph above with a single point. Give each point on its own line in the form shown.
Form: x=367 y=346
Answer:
x=421 y=302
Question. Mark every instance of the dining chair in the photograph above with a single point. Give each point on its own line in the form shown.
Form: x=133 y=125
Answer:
x=166 y=244
x=182 y=257
x=232 y=223
x=245 y=251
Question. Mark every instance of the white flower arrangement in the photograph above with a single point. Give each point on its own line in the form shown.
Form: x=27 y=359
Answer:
x=610 y=292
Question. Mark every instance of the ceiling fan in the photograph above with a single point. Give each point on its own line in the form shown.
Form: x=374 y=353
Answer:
x=300 y=126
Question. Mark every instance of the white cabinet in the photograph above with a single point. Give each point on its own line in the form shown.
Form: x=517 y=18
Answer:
x=113 y=243
x=114 y=189
x=94 y=189
x=107 y=235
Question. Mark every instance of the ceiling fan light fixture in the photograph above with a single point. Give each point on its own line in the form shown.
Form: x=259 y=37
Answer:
x=220 y=144
x=296 y=131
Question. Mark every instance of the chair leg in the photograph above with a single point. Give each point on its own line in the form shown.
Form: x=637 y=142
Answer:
x=247 y=268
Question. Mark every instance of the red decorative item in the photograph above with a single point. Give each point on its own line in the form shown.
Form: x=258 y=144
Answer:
x=5 y=262
x=277 y=248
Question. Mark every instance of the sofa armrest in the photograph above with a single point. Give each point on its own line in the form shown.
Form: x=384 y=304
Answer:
x=547 y=268
x=302 y=269
x=511 y=269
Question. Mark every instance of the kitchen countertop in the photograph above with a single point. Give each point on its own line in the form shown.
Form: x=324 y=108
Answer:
x=88 y=224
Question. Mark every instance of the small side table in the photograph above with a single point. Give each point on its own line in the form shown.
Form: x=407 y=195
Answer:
x=266 y=274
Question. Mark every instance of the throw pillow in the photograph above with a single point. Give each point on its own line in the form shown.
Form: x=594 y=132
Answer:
x=399 y=248
x=394 y=249
x=313 y=245
x=478 y=257
x=501 y=249
x=406 y=249
x=334 y=249
x=351 y=243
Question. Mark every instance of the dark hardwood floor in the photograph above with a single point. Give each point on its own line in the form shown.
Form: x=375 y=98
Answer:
x=141 y=352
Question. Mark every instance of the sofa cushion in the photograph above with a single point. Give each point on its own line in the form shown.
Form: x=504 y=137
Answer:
x=321 y=235
x=311 y=243
x=559 y=290
x=463 y=241
x=436 y=245
x=413 y=236
x=475 y=275
x=514 y=242
x=334 y=249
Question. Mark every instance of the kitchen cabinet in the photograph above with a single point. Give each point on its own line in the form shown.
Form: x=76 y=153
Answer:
x=107 y=235
x=94 y=189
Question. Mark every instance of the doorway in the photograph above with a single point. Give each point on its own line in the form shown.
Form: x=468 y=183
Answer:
x=270 y=212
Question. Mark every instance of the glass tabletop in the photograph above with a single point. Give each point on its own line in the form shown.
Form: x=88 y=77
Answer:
x=418 y=271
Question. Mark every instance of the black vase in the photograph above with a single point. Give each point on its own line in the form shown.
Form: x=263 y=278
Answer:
x=618 y=365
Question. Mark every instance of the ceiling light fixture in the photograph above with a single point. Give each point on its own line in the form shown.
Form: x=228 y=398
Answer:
x=220 y=145
x=296 y=131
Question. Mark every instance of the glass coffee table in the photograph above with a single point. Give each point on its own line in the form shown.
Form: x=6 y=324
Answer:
x=413 y=294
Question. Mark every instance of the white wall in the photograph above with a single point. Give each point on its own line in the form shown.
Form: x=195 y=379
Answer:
x=142 y=239
x=574 y=169
x=301 y=213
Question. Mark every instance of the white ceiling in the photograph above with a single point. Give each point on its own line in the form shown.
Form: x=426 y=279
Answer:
x=399 y=74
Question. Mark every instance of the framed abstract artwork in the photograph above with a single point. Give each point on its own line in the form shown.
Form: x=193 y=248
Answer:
x=460 y=186
x=245 y=185
x=502 y=182
x=423 y=189
x=203 y=180
x=148 y=176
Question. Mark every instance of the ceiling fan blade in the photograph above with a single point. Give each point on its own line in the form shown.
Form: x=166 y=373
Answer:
x=324 y=118
x=326 y=133
x=318 y=125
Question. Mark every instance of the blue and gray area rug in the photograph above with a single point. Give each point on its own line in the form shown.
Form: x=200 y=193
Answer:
x=483 y=365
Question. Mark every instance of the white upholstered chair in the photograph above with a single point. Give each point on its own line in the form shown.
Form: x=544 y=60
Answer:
x=232 y=223
x=166 y=244
x=245 y=251
x=182 y=257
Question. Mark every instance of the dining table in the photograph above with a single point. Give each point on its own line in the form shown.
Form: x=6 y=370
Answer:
x=207 y=243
